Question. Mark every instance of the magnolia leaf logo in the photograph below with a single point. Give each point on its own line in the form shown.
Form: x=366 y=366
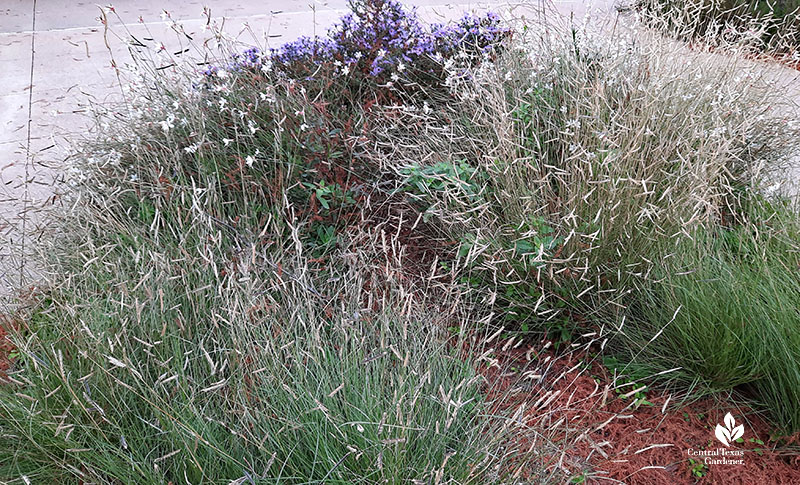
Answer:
x=730 y=432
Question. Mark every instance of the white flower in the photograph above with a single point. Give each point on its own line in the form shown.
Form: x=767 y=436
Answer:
x=426 y=108
x=401 y=67
x=167 y=124
x=266 y=67
x=191 y=148
x=718 y=132
x=222 y=74
x=358 y=55
x=395 y=77
x=222 y=103
x=303 y=127
x=576 y=124
x=226 y=141
x=345 y=70
x=251 y=125
x=249 y=160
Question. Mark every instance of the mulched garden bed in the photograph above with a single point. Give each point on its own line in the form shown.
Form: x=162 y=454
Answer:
x=610 y=440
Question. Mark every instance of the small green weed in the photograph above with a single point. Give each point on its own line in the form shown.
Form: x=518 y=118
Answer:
x=628 y=379
x=698 y=468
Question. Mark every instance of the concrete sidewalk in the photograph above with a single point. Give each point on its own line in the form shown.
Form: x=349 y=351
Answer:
x=54 y=63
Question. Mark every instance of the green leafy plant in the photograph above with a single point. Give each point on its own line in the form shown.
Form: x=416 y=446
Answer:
x=578 y=479
x=458 y=179
x=330 y=195
x=629 y=378
x=698 y=468
x=758 y=450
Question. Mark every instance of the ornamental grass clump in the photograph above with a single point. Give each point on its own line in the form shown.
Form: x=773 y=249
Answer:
x=765 y=27
x=575 y=162
x=196 y=353
x=725 y=306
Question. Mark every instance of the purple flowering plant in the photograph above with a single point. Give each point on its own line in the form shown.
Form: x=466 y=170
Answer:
x=379 y=43
x=380 y=52
x=320 y=92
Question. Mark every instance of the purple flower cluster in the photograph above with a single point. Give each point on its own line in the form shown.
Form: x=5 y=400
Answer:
x=380 y=35
x=378 y=38
x=472 y=32
x=304 y=48
x=249 y=58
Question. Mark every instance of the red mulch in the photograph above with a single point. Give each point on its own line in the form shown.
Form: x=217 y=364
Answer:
x=621 y=442
x=6 y=347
